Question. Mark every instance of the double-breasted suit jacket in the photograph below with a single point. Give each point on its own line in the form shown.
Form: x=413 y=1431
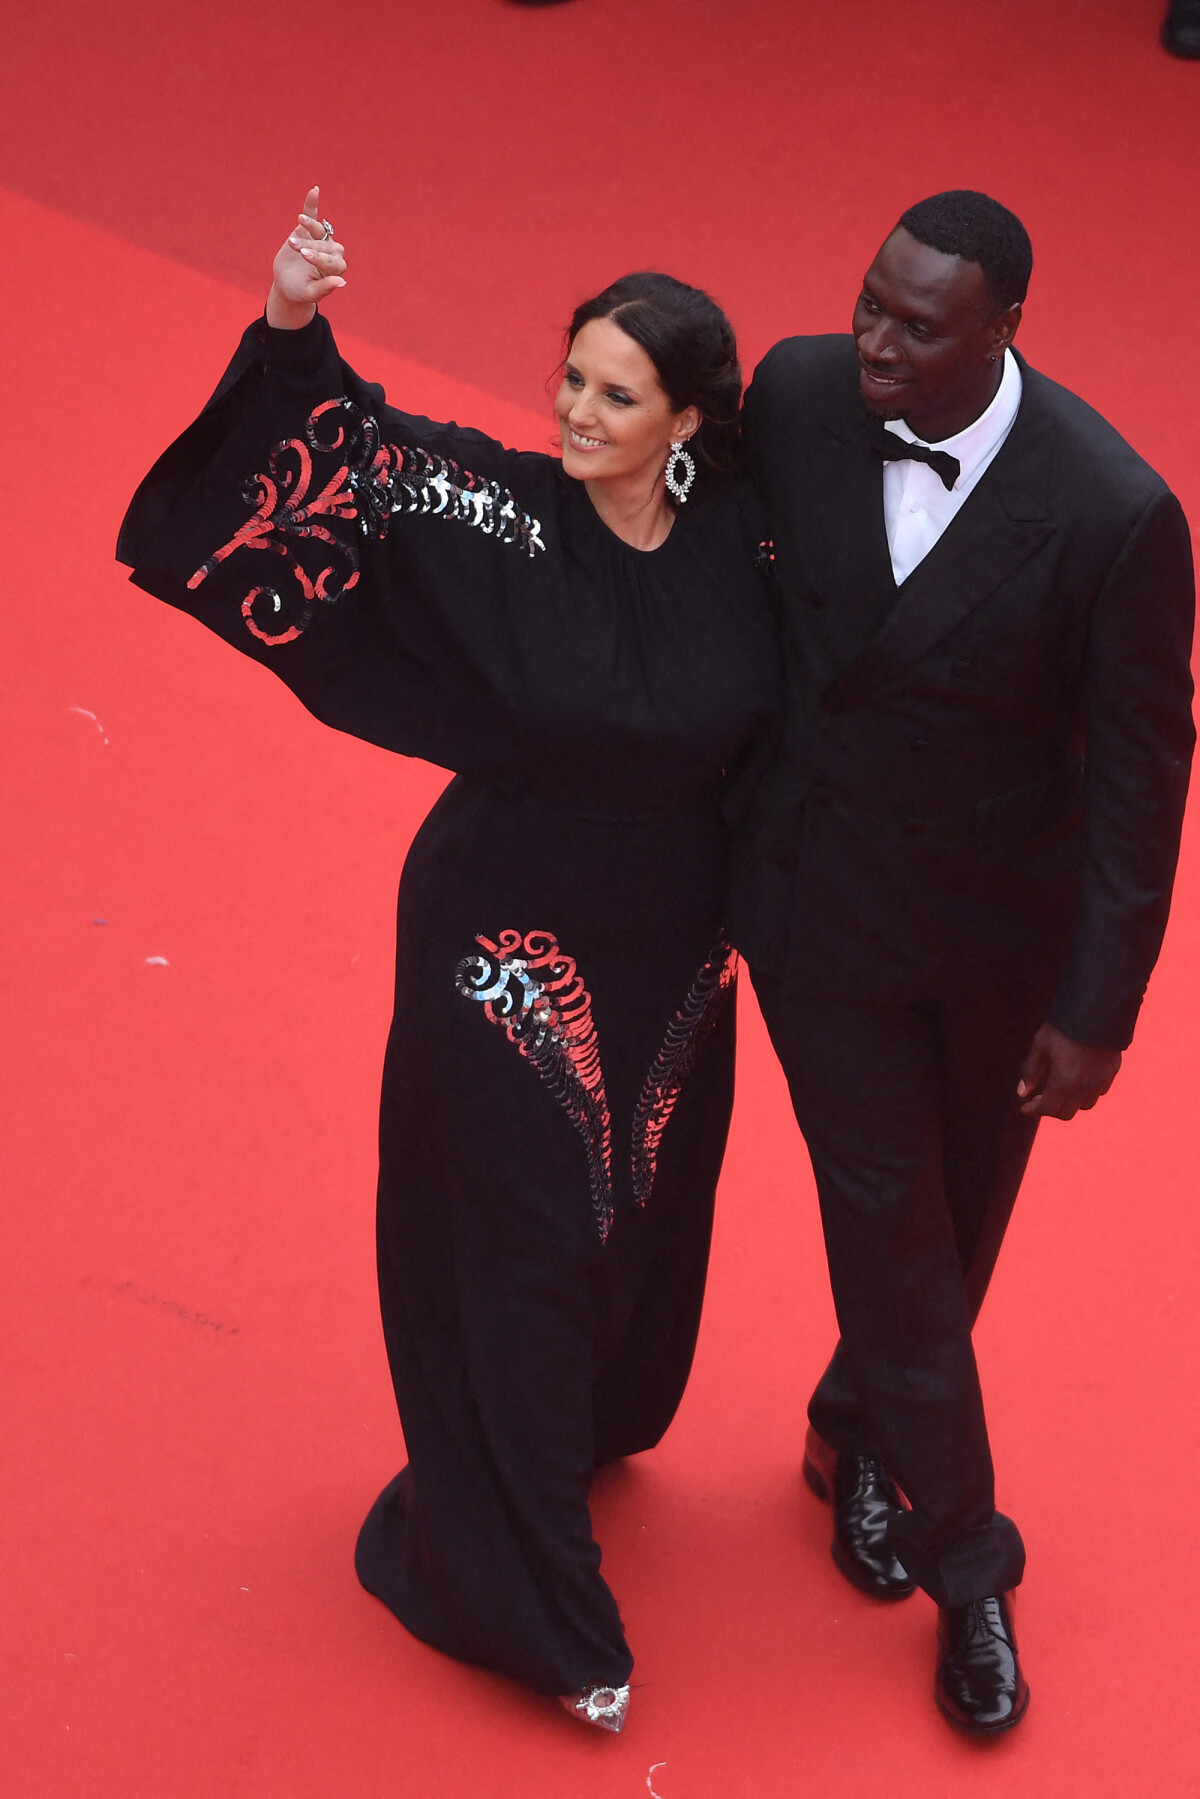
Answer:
x=971 y=826
x=984 y=771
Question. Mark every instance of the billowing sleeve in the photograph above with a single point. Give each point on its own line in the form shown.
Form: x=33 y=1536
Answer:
x=375 y=561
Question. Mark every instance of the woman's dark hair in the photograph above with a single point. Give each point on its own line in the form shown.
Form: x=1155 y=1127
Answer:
x=692 y=346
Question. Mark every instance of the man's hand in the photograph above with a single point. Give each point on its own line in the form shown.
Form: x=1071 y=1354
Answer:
x=1060 y=1077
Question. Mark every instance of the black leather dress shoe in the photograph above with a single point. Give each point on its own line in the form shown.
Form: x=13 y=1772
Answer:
x=979 y=1684
x=864 y=1499
x=1181 y=28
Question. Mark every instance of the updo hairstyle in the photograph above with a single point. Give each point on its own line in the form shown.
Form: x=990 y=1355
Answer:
x=692 y=346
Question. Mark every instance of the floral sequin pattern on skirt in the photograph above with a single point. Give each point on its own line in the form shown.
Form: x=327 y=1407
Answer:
x=533 y=991
x=674 y=1062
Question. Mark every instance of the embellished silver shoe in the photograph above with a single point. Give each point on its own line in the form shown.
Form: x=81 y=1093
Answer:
x=603 y=1706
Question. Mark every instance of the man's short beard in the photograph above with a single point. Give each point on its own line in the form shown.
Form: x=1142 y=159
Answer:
x=881 y=409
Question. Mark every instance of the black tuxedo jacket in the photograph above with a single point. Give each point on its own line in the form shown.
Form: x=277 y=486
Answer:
x=983 y=772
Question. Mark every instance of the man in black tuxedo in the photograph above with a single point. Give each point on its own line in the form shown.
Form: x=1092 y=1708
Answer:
x=953 y=883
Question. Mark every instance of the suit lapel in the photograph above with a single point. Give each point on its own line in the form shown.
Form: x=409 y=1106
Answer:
x=852 y=562
x=1003 y=523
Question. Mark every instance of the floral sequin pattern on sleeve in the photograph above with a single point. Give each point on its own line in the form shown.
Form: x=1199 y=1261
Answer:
x=339 y=481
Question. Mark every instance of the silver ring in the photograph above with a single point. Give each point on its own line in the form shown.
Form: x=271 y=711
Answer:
x=328 y=229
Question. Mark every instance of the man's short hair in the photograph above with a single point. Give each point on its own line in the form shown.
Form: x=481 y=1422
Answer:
x=963 y=223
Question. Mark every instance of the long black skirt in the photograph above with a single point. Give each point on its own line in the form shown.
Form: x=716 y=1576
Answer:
x=556 y=1097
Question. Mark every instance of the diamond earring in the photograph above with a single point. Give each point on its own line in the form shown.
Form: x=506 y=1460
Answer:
x=676 y=487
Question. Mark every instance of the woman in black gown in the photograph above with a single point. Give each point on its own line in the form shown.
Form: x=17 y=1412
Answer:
x=590 y=656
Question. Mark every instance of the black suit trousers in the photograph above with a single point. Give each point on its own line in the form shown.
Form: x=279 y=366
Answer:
x=918 y=1147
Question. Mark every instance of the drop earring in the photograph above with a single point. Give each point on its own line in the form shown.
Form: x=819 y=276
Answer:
x=679 y=488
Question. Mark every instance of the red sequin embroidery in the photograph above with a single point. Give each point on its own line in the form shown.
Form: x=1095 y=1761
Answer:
x=369 y=483
x=290 y=507
x=530 y=987
x=674 y=1061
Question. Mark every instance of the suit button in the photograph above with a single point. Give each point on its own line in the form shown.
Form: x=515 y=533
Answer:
x=914 y=827
x=920 y=743
x=961 y=667
x=819 y=796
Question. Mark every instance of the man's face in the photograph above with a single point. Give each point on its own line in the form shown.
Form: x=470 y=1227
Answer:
x=929 y=338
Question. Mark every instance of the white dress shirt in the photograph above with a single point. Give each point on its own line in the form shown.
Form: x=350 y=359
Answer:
x=916 y=506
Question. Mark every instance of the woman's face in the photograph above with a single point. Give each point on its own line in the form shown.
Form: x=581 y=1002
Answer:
x=615 y=419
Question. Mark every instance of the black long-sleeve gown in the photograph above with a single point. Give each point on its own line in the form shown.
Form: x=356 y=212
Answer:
x=559 y=1073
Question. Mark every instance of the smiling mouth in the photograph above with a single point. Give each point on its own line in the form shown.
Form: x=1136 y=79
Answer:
x=879 y=378
x=579 y=442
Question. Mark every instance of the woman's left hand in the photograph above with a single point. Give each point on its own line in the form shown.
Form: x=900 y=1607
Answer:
x=310 y=266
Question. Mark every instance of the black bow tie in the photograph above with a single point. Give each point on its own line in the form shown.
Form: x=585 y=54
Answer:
x=892 y=448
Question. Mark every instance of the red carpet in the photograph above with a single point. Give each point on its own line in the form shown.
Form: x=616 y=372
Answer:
x=199 y=920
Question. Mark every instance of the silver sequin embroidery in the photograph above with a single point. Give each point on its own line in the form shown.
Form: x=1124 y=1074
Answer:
x=527 y=985
x=342 y=472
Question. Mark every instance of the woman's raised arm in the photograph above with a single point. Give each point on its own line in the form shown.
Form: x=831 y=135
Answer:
x=310 y=266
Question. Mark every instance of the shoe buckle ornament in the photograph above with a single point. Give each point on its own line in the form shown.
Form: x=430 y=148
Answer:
x=604 y=1706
